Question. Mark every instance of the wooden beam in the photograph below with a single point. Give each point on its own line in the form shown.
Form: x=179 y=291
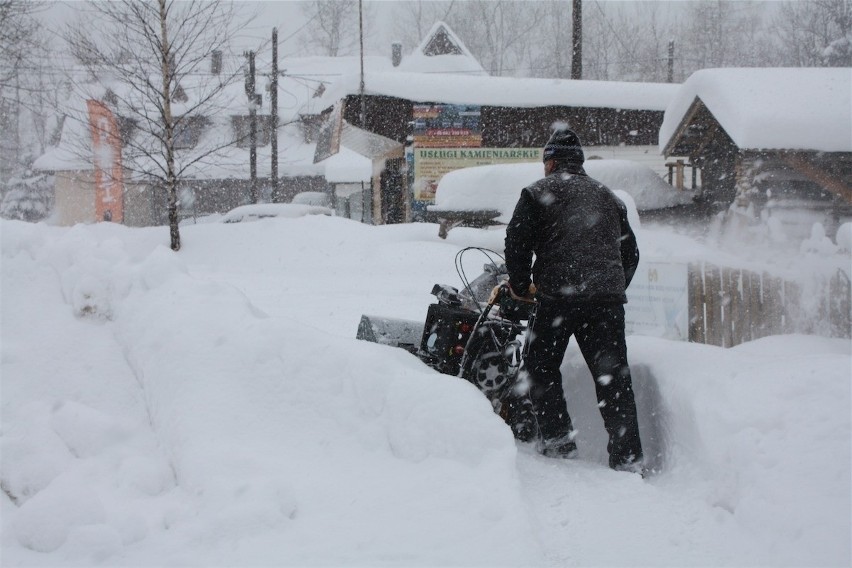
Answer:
x=684 y=125
x=818 y=175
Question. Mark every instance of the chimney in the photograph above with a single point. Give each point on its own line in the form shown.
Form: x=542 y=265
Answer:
x=216 y=62
x=396 y=54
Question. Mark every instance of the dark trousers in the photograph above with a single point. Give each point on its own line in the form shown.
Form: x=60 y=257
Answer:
x=599 y=331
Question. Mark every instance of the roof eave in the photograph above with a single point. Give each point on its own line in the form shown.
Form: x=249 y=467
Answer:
x=683 y=126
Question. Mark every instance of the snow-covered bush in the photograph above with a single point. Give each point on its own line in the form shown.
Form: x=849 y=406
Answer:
x=844 y=237
x=818 y=243
x=28 y=199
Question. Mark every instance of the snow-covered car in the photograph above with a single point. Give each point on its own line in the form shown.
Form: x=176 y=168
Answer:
x=487 y=195
x=497 y=187
x=267 y=210
x=312 y=198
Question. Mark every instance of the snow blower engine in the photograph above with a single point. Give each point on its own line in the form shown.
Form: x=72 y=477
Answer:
x=472 y=334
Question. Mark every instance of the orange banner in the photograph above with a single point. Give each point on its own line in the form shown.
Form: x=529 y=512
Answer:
x=106 y=150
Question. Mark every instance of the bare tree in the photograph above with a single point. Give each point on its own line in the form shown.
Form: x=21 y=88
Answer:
x=413 y=19
x=723 y=33
x=28 y=92
x=600 y=44
x=332 y=26
x=18 y=33
x=805 y=30
x=550 y=52
x=18 y=37
x=499 y=33
x=152 y=58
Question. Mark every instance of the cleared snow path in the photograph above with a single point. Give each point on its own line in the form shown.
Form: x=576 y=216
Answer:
x=587 y=515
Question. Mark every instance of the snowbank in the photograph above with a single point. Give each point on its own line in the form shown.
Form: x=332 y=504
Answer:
x=211 y=408
x=268 y=433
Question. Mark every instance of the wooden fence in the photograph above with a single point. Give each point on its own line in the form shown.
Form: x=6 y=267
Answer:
x=730 y=306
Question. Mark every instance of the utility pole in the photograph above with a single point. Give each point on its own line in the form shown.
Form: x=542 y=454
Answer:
x=671 y=61
x=273 y=101
x=361 y=36
x=577 y=40
x=252 y=98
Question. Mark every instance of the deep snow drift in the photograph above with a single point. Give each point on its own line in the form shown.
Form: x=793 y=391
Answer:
x=212 y=408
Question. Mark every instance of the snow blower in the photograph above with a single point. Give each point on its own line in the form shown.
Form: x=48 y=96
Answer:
x=473 y=334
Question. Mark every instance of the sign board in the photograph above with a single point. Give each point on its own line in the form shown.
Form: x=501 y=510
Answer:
x=658 y=301
x=328 y=137
x=430 y=164
x=446 y=126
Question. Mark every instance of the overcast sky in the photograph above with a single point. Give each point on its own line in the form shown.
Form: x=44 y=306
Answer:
x=287 y=15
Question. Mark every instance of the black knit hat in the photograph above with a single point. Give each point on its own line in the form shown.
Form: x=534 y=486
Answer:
x=563 y=146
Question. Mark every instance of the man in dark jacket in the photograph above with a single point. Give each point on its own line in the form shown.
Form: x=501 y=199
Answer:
x=585 y=256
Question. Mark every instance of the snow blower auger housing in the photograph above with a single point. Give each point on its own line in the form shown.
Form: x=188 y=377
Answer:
x=471 y=335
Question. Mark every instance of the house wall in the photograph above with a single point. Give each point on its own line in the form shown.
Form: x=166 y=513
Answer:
x=389 y=116
x=140 y=207
x=508 y=127
x=606 y=133
x=718 y=160
x=769 y=186
x=518 y=127
x=75 y=197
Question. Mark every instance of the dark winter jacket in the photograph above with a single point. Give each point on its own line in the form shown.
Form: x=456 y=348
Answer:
x=585 y=250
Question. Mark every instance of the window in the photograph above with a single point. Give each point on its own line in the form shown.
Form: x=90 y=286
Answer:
x=126 y=129
x=242 y=130
x=188 y=130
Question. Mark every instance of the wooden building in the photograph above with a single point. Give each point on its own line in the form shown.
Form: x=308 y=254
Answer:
x=770 y=142
x=612 y=119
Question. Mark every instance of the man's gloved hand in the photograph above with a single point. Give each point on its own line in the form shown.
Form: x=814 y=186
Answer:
x=495 y=292
x=529 y=296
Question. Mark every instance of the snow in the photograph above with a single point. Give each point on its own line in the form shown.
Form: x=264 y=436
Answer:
x=257 y=211
x=347 y=166
x=504 y=91
x=844 y=237
x=212 y=408
x=771 y=109
x=498 y=187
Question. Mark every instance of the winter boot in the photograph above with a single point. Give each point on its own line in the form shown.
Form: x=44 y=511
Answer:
x=563 y=447
x=632 y=464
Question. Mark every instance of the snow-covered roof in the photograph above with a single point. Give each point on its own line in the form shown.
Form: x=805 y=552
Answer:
x=442 y=51
x=302 y=81
x=773 y=109
x=347 y=166
x=505 y=91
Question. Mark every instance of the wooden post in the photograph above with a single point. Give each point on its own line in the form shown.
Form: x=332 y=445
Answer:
x=713 y=302
x=747 y=322
x=773 y=303
x=758 y=318
x=725 y=298
x=695 y=299
x=792 y=307
x=735 y=307
x=840 y=294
